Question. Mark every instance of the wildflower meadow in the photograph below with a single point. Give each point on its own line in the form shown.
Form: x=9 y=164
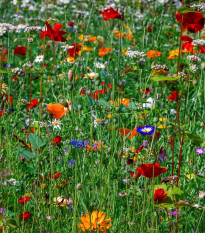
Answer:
x=102 y=115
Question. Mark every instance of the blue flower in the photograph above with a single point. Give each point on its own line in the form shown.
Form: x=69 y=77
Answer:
x=146 y=130
x=71 y=163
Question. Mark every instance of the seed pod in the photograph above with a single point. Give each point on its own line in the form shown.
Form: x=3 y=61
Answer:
x=70 y=75
x=156 y=120
x=70 y=87
x=80 y=90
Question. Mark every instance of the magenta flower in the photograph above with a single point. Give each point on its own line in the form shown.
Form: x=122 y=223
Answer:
x=200 y=151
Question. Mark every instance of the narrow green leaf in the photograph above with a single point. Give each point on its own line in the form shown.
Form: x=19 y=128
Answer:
x=159 y=77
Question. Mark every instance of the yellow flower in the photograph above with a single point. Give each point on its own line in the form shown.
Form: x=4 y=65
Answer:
x=191 y=176
x=91 y=75
x=110 y=116
x=95 y=221
x=4 y=87
x=86 y=49
x=163 y=119
x=163 y=126
x=70 y=59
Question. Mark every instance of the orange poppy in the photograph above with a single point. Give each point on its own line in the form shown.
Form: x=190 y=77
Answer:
x=153 y=53
x=125 y=132
x=103 y=52
x=57 y=110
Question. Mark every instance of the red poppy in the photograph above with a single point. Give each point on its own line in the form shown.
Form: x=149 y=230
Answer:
x=149 y=170
x=22 y=200
x=55 y=176
x=57 y=140
x=71 y=24
x=95 y=94
x=21 y=50
x=146 y=91
x=33 y=104
x=193 y=21
x=110 y=14
x=149 y=28
x=9 y=99
x=173 y=96
x=74 y=50
x=186 y=38
x=159 y=195
x=55 y=33
x=25 y=215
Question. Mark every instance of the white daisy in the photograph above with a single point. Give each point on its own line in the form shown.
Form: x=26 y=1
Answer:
x=56 y=124
x=99 y=65
x=38 y=59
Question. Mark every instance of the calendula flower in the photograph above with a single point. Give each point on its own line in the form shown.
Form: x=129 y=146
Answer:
x=153 y=53
x=95 y=221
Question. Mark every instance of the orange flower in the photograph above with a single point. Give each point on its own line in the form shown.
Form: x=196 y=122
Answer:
x=103 y=52
x=57 y=110
x=129 y=36
x=92 y=39
x=161 y=71
x=95 y=221
x=153 y=53
x=118 y=35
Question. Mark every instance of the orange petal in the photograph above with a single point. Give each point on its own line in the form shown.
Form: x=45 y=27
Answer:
x=124 y=132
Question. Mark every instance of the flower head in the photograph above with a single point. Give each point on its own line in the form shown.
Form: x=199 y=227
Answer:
x=95 y=221
x=149 y=170
x=25 y=215
x=159 y=195
x=110 y=14
x=146 y=130
x=55 y=33
x=200 y=151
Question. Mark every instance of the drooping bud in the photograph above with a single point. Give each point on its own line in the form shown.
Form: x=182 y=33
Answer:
x=70 y=86
x=70 y=75
x=64 y=103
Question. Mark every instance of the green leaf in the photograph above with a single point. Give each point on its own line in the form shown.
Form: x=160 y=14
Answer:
x=159 y=77
x=91 y=101
x=161 y=186
x=167 y=203
x=182 y=203
x=132 y=106
x=194 y=137
x=35 y=140
x=104 y=103
x=183 y=10
x=11 y=222
x=25 y=153
x=200 y=178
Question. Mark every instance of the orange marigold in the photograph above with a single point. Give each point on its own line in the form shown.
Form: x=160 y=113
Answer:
x=153 y=53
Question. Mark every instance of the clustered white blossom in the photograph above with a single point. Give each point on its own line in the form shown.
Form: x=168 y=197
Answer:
x=194 y=68
x=182 y=74
x=28 y=64
x=19 y=71
x=135 y=54
x=193 y=58
x=199 y=7
x=13 y=181
x=31 y=28
x=159 y=67
x=198 y=42
x=6 y=27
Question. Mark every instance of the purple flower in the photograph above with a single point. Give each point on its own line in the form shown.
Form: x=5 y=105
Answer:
x=71 y=163
x=200 y=151
x=175 y=213
x=48 y=217
x=146 y=130
x=65 y=149
x=125 y=180
x=2 y=210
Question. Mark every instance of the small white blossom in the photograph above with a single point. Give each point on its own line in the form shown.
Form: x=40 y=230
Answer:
x=39 y=59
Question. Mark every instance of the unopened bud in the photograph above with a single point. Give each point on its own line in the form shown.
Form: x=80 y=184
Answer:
x=70 y=75
x=64 y=103
x=80 y=90
x=70 y=87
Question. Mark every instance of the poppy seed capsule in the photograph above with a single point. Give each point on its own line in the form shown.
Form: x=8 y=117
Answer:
x=70 y=75
x=70 y=86
x=80 y=90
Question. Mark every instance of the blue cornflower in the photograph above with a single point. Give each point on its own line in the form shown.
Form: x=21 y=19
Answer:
x=95 y=144
x=71 y=163
x=146 y=130
x=104 y=72
x=77 y=143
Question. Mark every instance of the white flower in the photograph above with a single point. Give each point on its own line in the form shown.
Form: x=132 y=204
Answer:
x=194 y=68
x=173 y=112
x=38 y=59
x=56 y=124
x=99 y=65
x=150 y=104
